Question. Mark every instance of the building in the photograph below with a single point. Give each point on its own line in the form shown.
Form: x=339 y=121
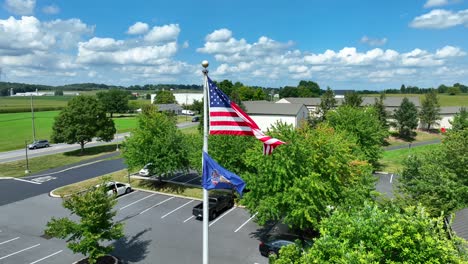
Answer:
x=183 y=98
x=267 y=114
x=174 y=108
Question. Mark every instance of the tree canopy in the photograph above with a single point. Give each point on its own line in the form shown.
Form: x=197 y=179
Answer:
x=352 y=99
x=165 y=97
x=380 y=110
x=460 y=120
x=406 y=118
x=327 y=103
x=83 y=119
x=114 y=100
x=156 y=140
x=430 y=109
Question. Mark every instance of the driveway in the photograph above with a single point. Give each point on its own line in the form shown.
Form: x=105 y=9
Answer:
x=158 y=229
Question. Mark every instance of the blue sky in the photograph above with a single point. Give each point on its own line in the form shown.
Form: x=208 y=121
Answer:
x=342 y=44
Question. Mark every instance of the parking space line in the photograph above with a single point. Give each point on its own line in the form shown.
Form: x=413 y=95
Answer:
x=16 y=179
x=176 y=209
x=177 y=177
x=4 y=242
x=189 y=218
x=126 y=195
x=121 y=208
x=19 y=251
x=192 y=179
x=53 y=254
x=245 y=222
x=391 y=178
x=146 y=210
x=221 y=216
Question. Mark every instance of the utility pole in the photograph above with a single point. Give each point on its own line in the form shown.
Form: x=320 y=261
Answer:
x=32 y=115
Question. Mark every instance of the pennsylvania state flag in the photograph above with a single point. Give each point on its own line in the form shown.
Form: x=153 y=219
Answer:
x=217 y=177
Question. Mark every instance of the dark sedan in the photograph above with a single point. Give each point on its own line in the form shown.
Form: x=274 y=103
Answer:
x=274 y=244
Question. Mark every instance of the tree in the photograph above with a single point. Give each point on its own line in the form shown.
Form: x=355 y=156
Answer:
x=380 y=235
x=165 y=97
x=430 y=109
x=315 y=170
x=460 y=120
x=156 y=140
x=379 y=106
x=406 y=118
x=352 y=99
x=94 y=209
x=327 y=103
x=58 y=93
x=453 y=90
x=288 y=91
x=403 y=89
x=308 y=89
x=114 y=100
x=437 y=178
x=83 y=119
x=364 y=125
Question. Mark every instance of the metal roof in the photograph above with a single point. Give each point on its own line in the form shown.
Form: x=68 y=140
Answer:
x=390 y=101
x=169 y=107
x=264 y=108
x=450 y=109
x=460 y=223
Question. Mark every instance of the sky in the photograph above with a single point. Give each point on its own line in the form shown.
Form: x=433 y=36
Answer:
x=344 y=44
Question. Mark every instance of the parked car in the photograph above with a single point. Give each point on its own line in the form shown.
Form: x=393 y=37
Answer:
x=117 y=188
x=216 y=205
x=273 y=244
x=196 y=119
x=39 y=144
x=147 y=170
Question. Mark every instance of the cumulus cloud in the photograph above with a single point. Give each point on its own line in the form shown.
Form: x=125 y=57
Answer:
x=51 y=9
x=219 y=35
x=433 y=3
x=163 y=33
x=450 y=51
x=373 y=41
x=20 y=7
x=138 y=28
x=440 y=18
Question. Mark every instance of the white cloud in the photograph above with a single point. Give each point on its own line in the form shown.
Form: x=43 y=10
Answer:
x=20 y=7
x=433 y=3
x=373 y=41
x=138 y=28
x=440 y=18
x=219 y=35
x=449 y=51
x=51 y=9
x=163 y=33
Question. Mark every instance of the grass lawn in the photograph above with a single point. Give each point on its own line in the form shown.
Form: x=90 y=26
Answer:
x=121 y=176
x=24 y=102
x=190 y=130
x=421 y=136
x=392 y=160
x=444 y=99
x=38 y=164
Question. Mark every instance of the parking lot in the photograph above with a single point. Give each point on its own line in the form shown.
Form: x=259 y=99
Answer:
x=158 y=229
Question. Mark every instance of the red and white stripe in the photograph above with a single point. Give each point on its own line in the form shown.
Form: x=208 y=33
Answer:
x=234 y=121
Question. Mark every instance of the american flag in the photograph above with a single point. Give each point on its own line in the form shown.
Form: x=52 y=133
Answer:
x=227 y=118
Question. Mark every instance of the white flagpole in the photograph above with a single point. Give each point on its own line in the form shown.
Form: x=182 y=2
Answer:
x=205 y=148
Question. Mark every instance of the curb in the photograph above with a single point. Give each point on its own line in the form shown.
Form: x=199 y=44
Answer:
x=382 y=172
x=6 y=178
x=51 y=194
x=162 y=193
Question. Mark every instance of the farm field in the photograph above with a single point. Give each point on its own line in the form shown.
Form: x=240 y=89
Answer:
x=444 y=99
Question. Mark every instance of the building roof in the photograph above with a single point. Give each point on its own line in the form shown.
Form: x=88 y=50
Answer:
x=169 y=107
x=450 y=109
x=264 y=108
x=391 y=101
x=460 y=223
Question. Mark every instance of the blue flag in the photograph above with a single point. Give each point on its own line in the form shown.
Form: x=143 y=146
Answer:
x=217 y=177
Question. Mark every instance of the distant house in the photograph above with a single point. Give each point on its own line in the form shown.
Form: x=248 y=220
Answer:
x=267 y=114
x=173 y=108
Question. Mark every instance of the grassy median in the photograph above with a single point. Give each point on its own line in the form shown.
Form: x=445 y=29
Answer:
x=38 y=164
x=392 y=160
x=122 y=176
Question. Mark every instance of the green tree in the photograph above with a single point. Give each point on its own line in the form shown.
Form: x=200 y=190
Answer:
x=406 y=118
x=288 y=91
x=327 y=103
x=453 y=90
x=83 y=119
x=381 y=235
x=430 y=109
x=379 y=106
x=352 y=99
x=95 y=225
x=364 y=125
x=315 y=170
x=156 y=140
x=114 y=100
x=308 y=89
x=460 y=120
x=437 y=178
x=165 y=97
x=58 y=93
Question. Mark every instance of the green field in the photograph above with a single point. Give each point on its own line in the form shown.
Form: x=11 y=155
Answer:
x=23 y=104
x=444 y=99
x=392 y=160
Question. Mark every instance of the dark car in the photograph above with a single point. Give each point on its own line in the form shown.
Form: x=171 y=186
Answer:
x=272 y=245
x=196 y=119
x=39 y=144
x=216 y=205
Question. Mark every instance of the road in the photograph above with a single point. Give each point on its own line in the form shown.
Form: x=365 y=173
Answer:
x=20 y=154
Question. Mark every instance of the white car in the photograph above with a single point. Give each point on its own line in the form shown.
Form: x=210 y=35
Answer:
x=146 y=171
x=117 y=188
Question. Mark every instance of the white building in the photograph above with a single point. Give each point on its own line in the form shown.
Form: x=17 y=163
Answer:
x=267 y=114
x=183 y=98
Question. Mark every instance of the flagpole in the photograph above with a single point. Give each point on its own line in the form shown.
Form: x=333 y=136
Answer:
x=205 y=149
